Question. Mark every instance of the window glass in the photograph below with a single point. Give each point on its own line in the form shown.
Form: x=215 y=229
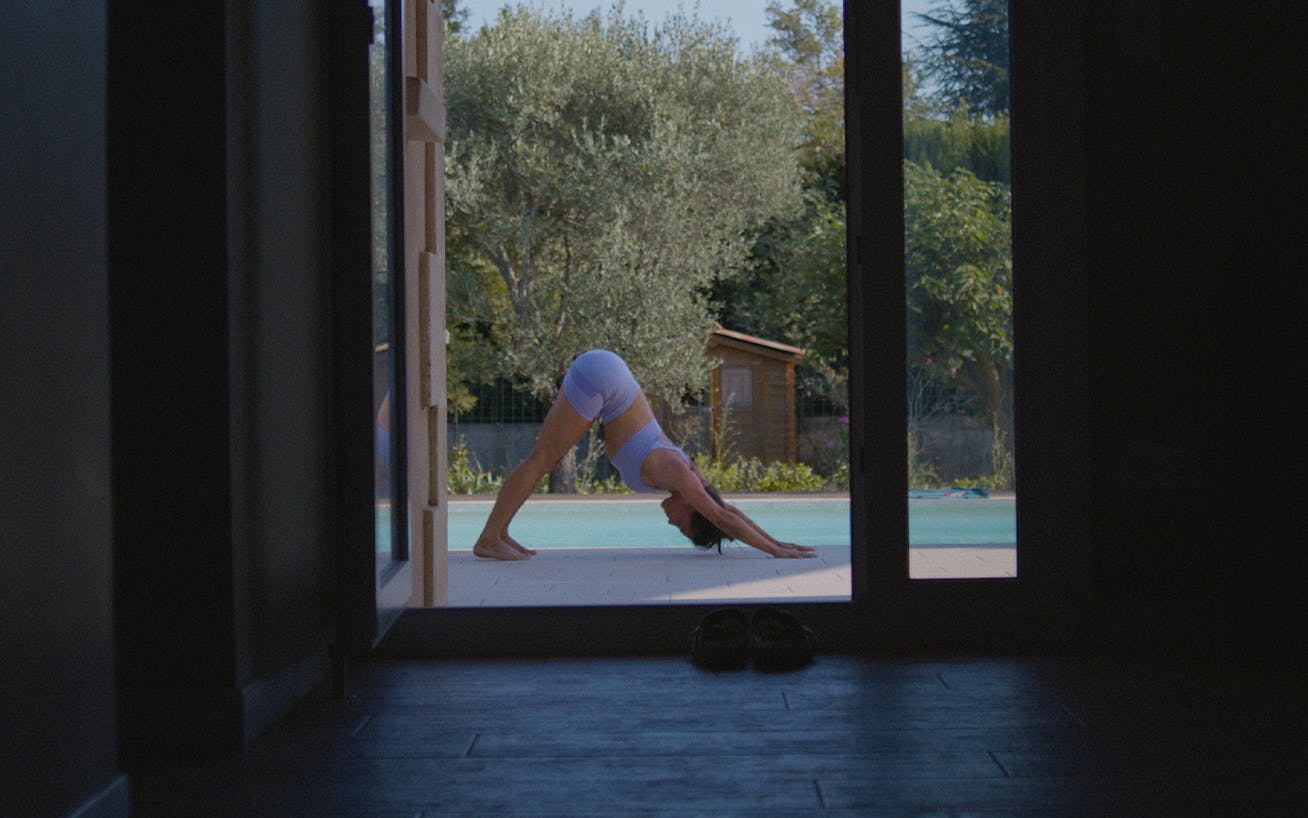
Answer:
x=387 y=407
x=958 y=262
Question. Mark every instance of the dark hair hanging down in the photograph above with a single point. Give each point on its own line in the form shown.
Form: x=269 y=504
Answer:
x=703 y=533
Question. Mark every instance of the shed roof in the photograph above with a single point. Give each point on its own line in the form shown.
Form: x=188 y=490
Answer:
x=752 y=343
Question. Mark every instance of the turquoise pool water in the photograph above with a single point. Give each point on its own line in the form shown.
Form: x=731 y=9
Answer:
x=818 y=521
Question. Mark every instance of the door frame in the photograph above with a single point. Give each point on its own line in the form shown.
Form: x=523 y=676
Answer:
x=370 y=600
x=1042 y=605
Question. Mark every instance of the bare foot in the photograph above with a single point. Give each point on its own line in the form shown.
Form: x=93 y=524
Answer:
x=499 y=550
x=531 y=552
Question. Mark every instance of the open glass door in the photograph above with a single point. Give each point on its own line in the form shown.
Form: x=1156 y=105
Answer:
x=375 y=578
x=886 y=333
x=385 y=105
x=890 y=607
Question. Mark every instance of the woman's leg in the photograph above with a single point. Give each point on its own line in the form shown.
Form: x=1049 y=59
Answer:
x=562 y=429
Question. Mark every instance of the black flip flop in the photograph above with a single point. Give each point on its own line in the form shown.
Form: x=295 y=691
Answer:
x=721 y=642
x=779 y=641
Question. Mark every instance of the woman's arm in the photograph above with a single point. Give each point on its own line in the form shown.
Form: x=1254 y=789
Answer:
x=757 y=528
x=734 y=523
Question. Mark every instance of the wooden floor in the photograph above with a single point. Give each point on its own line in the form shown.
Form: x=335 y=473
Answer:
x=844 y=736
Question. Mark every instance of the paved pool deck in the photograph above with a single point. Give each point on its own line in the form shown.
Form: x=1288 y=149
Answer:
x=685 y=575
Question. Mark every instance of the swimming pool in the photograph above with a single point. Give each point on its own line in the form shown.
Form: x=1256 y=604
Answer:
x=618 y=523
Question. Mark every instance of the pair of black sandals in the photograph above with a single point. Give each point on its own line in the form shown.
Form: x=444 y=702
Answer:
x=775 y=639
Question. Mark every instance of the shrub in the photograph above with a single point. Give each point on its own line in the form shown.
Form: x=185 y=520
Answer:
x=466 y=475
x=1001 y=478
x=594 y=485
x=781 y=476
x=751 y=474
x=922 y=473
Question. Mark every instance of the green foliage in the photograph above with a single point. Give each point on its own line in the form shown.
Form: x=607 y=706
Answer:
x=723 y=434
x=752 y=475
x=739 y=475
x=606 y=173
x=466 y=475
x=476 y=306
x=967 y=55
x=922 y=473
x=1003 y=462
x=791 y=477
x=832 y=458
x=958 y=259
x=795 y=286
x=958 y=254
x=608 y=485
x=454 y=17
x=809 y=33
x=838 y=480
x=1001 y=477
x=960 y=141
x=588 y=481
x=380 y=188
x=617 y=185
x=727 y=471
x=809 y=40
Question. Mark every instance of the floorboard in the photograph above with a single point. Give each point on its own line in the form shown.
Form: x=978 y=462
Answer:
x=845 y=736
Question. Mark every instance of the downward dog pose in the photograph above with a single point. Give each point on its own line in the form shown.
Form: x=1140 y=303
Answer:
x=599 y=384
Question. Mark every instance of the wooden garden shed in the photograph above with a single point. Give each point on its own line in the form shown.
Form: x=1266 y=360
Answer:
x=754 y=389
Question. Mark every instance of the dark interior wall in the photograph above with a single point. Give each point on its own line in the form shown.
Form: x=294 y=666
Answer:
x=221 y=345
x=59 y=745
x=1051 y=323
x=1189 y=220
x=1268 y=298
x=282 y=341
x=168 y=292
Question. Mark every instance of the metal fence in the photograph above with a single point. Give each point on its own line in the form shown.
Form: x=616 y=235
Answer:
x=500 y=430
x=501 y=402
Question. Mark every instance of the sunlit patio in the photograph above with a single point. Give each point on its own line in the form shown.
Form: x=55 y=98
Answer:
x=656 y=576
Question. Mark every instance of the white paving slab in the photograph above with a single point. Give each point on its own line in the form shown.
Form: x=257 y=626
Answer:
x=660 y=576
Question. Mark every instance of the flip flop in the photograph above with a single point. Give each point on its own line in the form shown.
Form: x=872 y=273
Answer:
x=779 y=641
x=721 y=641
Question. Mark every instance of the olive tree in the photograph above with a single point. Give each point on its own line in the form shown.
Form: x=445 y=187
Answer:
x=607 y=171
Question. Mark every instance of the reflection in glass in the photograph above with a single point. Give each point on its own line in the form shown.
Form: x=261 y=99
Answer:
x=958 y=262
x=388 y=441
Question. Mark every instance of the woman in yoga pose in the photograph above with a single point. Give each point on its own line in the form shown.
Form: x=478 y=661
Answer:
x=599 y=384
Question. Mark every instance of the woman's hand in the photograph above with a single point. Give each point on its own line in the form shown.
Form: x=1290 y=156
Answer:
x=788 y=550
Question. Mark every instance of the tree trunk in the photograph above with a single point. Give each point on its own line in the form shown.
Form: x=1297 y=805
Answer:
x=563 y=477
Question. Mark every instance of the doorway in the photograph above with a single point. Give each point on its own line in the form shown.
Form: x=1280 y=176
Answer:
x=884 y=604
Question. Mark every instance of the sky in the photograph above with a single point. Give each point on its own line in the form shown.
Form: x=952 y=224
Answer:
x=745 y=17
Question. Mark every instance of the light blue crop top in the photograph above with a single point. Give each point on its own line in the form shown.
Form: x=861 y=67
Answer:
x=631 y=457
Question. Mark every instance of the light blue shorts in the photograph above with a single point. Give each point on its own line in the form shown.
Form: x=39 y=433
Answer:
x=599 y=385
